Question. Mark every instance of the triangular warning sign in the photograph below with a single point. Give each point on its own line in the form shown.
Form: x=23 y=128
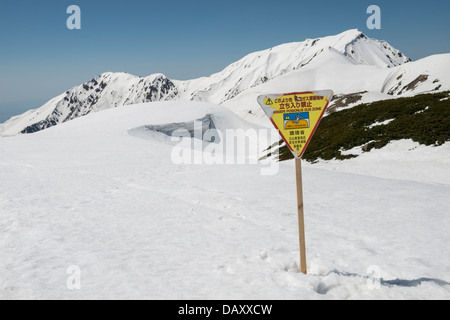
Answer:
x=296 y=115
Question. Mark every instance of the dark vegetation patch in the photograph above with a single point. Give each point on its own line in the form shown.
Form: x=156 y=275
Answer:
x=423 y=118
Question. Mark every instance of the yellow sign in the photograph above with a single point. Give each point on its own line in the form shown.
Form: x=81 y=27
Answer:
x=296 y=116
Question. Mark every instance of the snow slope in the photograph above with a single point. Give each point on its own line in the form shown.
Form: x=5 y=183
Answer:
x=334 y=71
x=331 y=70
x=425 y=75
x=88 y=193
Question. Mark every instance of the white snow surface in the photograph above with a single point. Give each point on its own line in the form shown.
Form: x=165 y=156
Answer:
x=382 y=123
x=87 y=193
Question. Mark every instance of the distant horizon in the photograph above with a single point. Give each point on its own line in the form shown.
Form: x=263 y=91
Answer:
x=184 y=40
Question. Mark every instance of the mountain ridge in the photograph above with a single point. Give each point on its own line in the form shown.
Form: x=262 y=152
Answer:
x=107 y=90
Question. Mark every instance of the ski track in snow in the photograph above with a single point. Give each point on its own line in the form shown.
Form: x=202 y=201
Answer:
x=139 y=226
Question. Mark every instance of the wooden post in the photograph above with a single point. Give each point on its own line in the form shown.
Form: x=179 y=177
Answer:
x=301 y=221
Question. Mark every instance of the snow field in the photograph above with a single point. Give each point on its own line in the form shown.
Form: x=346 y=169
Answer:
x=89 y=194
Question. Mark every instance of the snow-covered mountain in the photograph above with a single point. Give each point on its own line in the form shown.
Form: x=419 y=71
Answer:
x=105 y=91
x=348 y=63
x=353 y=84
x=141 y=226
x=261 y=67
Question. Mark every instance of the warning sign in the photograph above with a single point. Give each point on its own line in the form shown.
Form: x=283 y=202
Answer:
x=296 y=115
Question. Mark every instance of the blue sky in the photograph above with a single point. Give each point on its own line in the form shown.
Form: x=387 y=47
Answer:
x=40 y=58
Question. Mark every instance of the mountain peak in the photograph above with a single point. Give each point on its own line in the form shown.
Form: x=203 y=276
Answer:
x=364 y=50
x=353 y=32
